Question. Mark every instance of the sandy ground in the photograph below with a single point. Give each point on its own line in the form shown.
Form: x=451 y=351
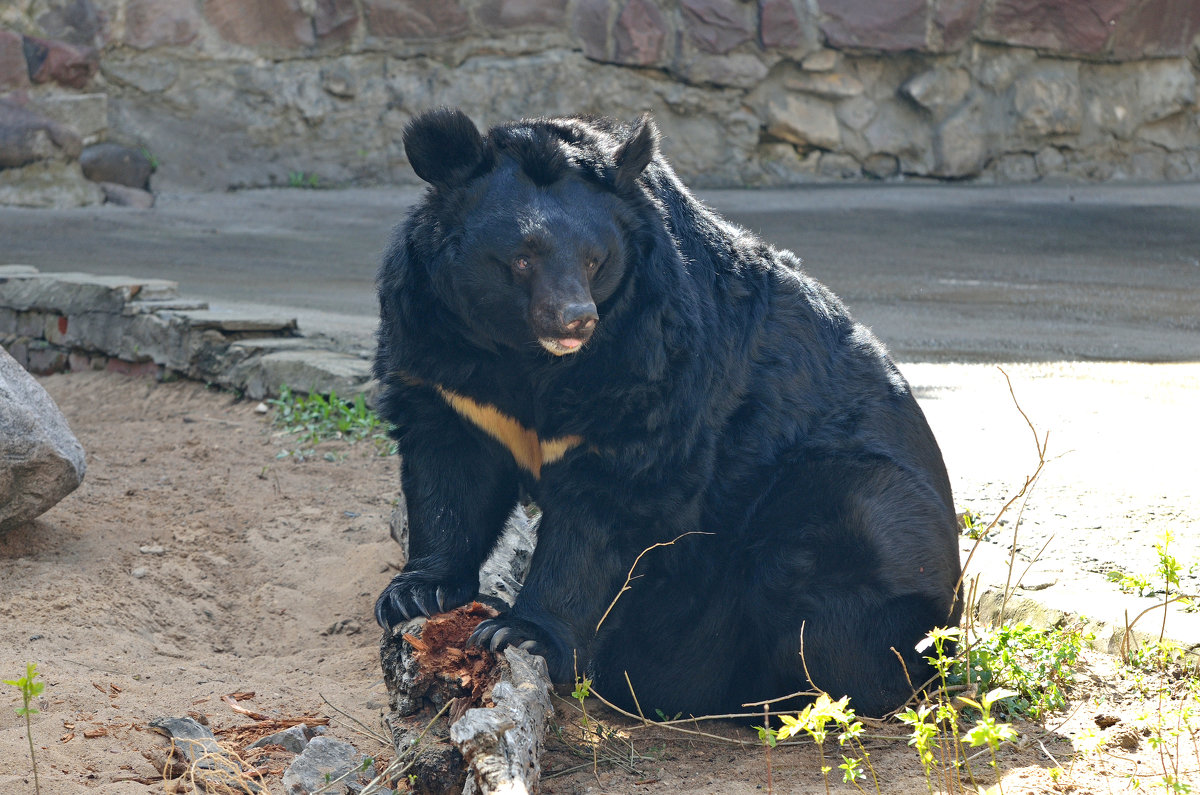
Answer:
x=194 y=563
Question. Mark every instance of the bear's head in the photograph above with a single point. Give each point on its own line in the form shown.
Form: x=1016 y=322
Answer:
x=535 y=222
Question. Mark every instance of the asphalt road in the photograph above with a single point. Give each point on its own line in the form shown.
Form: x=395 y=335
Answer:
x=941 y=273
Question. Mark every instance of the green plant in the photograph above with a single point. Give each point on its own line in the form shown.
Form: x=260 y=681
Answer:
x=1131 y=583
x=973 y=525
x=316 y=418
x=30 y=689
x=302 y=179
x=1032 y=665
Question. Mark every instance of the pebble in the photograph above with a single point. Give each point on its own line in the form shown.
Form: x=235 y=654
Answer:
x=140 y=572
x=261 y=408
x=154 y=549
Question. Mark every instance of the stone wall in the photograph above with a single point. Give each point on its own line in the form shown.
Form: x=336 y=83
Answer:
x=240 y=93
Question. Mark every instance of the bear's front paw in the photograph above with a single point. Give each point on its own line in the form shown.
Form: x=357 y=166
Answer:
x=496 y=633
x=413 y=593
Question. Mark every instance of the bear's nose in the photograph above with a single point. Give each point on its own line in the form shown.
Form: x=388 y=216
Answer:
x=579 y=316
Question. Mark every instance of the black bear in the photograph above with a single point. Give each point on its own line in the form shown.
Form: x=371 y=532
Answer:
x=560 y=315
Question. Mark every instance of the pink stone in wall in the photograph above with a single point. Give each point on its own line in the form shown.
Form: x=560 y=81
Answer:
x=590 y=25
x=1157 y=28
x=955 y=20
x=890 y=26
x=160 y=23
x=60 y=62
x=717 y=26
x=779 y=24
x=261 y=23
x=415 y=19
x=639 y=34
x=510 y=14
x=1065 y=26
x=335 y=19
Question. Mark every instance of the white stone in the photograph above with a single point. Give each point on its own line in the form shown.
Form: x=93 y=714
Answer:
x=804 y=121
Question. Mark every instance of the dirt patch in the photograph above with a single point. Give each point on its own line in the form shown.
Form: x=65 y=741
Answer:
x=193 y=564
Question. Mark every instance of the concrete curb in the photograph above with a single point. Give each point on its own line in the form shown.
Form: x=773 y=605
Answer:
x=56 y=322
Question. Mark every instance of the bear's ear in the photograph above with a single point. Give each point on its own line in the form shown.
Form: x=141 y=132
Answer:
x=443 y=146
x=636 y=152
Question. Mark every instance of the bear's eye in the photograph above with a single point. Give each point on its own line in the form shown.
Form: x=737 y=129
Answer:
x=521 y=264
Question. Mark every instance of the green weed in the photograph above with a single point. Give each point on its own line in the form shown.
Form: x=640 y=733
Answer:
x=30 y=689
x=1033 y=665
x=316 y=418
x=302 y=179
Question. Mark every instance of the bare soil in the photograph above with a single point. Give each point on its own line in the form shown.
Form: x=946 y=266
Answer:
x=193 y=563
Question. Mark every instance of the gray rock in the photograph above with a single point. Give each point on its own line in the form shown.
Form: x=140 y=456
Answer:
x=76 y=293
x=1017 y=167
x=86 y=114
x=1120 y=98
x=27 y=136
x=124 y=196
x=50 y=184
x=323 y=760
x=1047 y=100
x=803 y=120
x=961 y=144
x=304 y=371
x=830 y=85
x=41 y=461
x=739 y=70
x=294 y=739
x=124 y=165
x=834 y=165
x=899 y=129
x=939 y=90
x=1049 y=161
x=881 y=166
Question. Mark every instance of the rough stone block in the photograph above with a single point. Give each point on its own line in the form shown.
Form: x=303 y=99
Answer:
x=961 y=144
x=737 y=70
x=44 y=359
x=28 y=136
x=87 y=114
x=939 y=90
x=639 y=34
x=305 y=371
x=262 y=23
x=803 y=120
x=589 y=24
x=1122 y=97
x=31 y=324
x=869 y=24
x=125 y=196
x=335 y=20
x=54 y=328
x=60 y=62
x=837 y=166
x=160 y=23
x=831 y=85
x=224 y=320
x=717 y=26
x=1017 y=167
x=501 y=15
x=123 y=165
x=780 y=25
x=77 y=293
x=954 y=21
x=415 y=19
x=8 y=321
x=13 y=72
x=50 y=184
x=1156 y=28
x=1048 y=101
x=41 y=461
x=1074 y=26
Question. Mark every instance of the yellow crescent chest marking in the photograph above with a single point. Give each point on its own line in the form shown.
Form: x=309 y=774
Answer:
x=530 y=452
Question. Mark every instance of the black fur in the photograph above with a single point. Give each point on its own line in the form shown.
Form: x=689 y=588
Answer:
x=700 y=389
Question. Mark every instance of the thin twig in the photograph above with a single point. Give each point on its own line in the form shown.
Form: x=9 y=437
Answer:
x=364 y=729
x=629 y=577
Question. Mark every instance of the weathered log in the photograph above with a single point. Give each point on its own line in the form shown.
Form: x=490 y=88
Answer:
x=503 y=744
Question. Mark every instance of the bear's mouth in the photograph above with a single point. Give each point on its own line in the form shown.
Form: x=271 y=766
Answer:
x=563 y=346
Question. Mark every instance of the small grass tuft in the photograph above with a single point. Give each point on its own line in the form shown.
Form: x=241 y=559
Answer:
x=317 y=418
